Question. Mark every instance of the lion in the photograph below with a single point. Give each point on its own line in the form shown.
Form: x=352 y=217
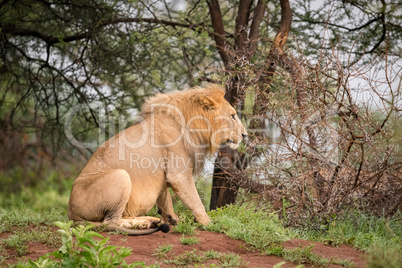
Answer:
x=133 y=170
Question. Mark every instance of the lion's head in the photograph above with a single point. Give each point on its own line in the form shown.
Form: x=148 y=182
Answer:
x=207 y=119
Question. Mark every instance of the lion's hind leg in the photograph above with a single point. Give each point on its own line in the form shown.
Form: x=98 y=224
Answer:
x=101 y=197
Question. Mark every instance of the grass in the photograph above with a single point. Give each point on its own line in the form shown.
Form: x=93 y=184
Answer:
x=84 y=250
x=359 y=230
x=44 y=235
x=255 y=227
x=384 y=257
x=51 y=191
x=212 y=254
x=186 y=225
x=265 y=232
x=162 y=250
x=379 y=237
x=307 y=256
x=24 y=216
x=189 y=240
x=25 y=225
x=196 y=257
x=187 y=258
x=232 y=260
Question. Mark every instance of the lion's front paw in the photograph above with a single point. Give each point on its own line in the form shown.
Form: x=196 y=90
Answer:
x=203 y=220
x=170 y=219
x=173 y=219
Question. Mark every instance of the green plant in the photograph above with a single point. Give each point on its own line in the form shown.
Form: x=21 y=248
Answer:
x=274 y=249
x=162 y=250
x=307 y=256
x=47 y=190
x=41 y=234
x=255 y=227
x=186 y=224
x=380 y=237
x=231 y=260
x=193 y=257
x=383 y=257
x=40 y=224
x=189 y=240
x=212 y=254
x=186 y=259
x=24 y=216
x=279 y=265
x=84 y=250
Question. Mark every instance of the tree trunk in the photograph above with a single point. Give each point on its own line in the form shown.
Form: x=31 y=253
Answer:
x=224 y=188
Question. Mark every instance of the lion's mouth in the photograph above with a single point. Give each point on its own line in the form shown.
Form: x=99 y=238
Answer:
x=232 y=145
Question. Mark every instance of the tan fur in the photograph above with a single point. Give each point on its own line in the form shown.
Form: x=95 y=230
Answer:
x=132 y=171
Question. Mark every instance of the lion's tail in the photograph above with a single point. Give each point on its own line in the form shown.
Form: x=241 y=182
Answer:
x=165 y=228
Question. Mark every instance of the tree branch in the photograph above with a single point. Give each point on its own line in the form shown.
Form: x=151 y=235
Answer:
x=286 y=21
x=219 y=36
x=51 y=40
x=339 y=26
x=255 y=25
x=273 y=56
x=241 y=24
x=279 y=42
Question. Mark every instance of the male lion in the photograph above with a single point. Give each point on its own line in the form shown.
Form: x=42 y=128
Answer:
x=132 y=171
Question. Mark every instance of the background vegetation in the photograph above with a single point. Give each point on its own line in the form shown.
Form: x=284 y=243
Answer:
x=316 y=82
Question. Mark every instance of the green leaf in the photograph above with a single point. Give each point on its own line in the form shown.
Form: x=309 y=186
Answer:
x=92 y=233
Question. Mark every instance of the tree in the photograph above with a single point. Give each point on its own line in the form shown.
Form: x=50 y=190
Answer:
x=275 y=58
x=381 y=22
x=245 y=44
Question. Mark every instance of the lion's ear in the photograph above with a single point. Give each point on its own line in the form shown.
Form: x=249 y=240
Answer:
x=207 y=102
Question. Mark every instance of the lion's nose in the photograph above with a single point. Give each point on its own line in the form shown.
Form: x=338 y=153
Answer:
x=244 y=136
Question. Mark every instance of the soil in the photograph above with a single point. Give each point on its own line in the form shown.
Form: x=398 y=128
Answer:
x=144 y=248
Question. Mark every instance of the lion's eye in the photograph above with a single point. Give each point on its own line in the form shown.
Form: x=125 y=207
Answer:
x=233 y=116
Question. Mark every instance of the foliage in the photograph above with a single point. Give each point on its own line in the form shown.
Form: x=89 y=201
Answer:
x=307 y=256
x=161 y=251
x=23 y=217
x=186 y=258
x=46 y=195
x=312 y=140
x=384 y=257
x=380 y=237
x=361 y=230
x=186 y=224
x=320 y=158
x=189 y=240
x=320 y=142
x=253 y=226
x=19 y=239
x=193 y=257
x=357 y=26
x=84 y=250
